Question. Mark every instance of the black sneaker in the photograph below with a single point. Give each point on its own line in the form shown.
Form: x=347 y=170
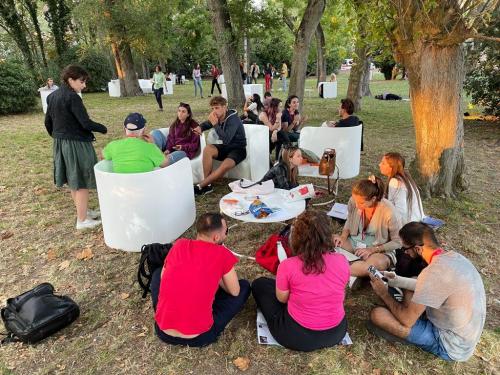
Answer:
x=377 y=331
x=203 y=190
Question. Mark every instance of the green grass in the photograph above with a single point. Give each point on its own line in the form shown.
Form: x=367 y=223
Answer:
x=115 y=336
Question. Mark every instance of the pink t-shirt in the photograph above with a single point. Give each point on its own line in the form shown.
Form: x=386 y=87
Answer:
x=316 y=301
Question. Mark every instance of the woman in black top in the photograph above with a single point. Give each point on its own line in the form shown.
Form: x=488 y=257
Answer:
x=69 y=124
x=284 y=174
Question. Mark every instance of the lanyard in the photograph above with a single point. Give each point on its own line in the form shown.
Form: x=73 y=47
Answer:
x=438 y=251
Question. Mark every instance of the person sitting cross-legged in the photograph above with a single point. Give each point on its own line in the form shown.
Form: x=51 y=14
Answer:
x=136 y=153
x=304 y=306
x=232 y=147
x=197 y=292
x=443 y=310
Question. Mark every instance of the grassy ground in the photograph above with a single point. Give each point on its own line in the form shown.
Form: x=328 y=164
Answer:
x=114 y=333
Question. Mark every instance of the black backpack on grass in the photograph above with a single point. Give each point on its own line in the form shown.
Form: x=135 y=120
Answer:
x=36 y=314
x=152 y=257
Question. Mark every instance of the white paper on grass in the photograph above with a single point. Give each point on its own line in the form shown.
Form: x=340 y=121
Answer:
x=339 y=210
x=264 y=336
x=351 y=258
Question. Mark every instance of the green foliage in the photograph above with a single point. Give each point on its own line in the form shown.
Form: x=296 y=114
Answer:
x=96 y=63
x=482 y=81
x=17 y=88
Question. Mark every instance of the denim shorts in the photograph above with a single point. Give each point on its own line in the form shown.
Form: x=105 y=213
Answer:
x=426 y=336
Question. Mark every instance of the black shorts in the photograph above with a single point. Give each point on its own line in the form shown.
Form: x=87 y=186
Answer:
x=238 y=154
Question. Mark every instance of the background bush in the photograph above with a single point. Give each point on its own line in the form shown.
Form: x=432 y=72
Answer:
x=98 y=66
x=17 y=88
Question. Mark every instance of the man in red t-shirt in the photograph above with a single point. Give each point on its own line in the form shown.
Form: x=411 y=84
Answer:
x=215 y=77
x=197 y=292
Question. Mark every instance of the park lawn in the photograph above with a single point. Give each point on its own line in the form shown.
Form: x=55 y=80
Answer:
x=114 y=333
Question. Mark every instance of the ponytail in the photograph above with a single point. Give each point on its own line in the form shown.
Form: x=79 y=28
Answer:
x=369 y=187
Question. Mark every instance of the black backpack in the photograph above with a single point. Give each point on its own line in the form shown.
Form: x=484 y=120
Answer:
x=36 y=314
x=152 y=257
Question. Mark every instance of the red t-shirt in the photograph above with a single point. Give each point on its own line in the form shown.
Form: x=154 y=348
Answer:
x=191 y=276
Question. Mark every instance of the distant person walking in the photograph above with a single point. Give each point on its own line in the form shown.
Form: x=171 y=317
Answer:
x=158 y=84
x=197 y=80
x=284 y=76
x=255 y=71
x=215 y=76
x=267 y=76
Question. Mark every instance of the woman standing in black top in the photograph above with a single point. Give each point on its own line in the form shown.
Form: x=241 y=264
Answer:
x=69 y=124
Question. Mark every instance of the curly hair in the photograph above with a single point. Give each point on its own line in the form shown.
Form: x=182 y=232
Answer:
x=310 y=238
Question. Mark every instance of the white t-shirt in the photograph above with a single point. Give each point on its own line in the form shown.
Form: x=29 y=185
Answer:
x=253 y=108
x=453 y=293
x=397 y=194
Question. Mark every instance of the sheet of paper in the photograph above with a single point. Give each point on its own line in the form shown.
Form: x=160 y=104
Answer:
x=350 y=256
x=264 y=337
x=339 y=210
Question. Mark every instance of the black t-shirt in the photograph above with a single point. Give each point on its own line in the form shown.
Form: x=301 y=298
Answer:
x=287 y=117
x=348 y=122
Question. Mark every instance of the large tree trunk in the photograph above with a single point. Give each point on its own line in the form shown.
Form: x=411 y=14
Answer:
x=320 y=55
x=58 y=16
x=357 y=75
x=31 y=6
x=365 y=85
x=226 y=45
x=14 y=26
x=307 y=28
x=436 y=77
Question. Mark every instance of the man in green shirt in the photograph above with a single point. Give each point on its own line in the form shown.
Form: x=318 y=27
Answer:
x=134 y=154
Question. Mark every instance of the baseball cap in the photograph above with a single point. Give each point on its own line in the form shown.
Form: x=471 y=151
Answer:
x=134 y=121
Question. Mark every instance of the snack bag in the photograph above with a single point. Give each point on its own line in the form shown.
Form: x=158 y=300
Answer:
x=259 y=209
x=301 y=192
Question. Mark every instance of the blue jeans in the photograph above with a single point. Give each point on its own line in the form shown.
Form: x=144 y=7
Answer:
x=161 y=141
x=158 y=94
x=426 y=336
x=284 y=84
x=197 y=83
x=224 y=308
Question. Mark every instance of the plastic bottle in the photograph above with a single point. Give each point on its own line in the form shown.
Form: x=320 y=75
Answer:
x=281 y=252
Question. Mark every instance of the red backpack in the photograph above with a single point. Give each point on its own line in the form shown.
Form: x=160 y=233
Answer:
x=267 y=255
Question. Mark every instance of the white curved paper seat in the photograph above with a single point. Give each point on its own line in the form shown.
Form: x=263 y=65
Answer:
x=143 y=208
x=346 y=142
x=329 y=89
x=197 y=161
x=114 y=88
x=146 y=86
x=256 y=164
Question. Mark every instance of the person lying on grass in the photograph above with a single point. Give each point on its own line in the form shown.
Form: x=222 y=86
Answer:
x=197 y=292
x=444 y=309
x=371 y=228
x=232 y=149
x=135 y=153
x=304 y=306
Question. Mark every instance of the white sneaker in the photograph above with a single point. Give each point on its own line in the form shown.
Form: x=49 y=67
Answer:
x=87 y=224
x=93 y=214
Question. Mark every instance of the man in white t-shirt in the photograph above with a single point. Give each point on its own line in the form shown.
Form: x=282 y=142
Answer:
x=444 y=308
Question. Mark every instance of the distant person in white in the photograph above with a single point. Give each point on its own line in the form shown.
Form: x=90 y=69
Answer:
x=400 y=189
x=50 y=86
x=444 y=309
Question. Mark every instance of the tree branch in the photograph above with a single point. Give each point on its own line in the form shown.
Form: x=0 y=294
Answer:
x=482 y=37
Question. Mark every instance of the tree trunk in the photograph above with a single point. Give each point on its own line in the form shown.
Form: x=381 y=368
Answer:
x=320 y=55
x=436 y=76
x=31 y=6
x=226 y=45
x=145 y=71
x=308 y=26
x=365 y=85
x=15 y=27
x=58 y=16
x=357 y=76
x=130 y=82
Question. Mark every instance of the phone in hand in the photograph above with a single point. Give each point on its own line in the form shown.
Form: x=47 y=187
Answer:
x=376 y=273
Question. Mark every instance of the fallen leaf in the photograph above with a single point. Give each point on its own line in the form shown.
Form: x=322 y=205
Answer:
x=124 y=295
x=51 y=254
x=64 y=265
x=242 y=363
x=142 y=334
x=6 y=234
x=86 y=254
x=3 y=187
x=376 y=371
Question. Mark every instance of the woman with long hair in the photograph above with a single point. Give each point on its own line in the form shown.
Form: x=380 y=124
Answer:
x=291 y=123
x=371 y=229
x=69 y=124
x=251 y=109
x=181 y=141
x=197 y=80
x=401 y=190
x=284 y=174
x=271 y=117
x=304 y=306
x=158 y=84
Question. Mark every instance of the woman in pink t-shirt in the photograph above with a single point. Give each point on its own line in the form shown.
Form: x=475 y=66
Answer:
x=304 y=307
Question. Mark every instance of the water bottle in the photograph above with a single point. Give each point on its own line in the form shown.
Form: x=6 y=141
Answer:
x=281 y=252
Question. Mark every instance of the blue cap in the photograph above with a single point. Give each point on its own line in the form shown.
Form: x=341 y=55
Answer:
x=134 y=121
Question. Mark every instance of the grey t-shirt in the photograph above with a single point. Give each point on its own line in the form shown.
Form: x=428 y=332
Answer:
x=453 y=293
